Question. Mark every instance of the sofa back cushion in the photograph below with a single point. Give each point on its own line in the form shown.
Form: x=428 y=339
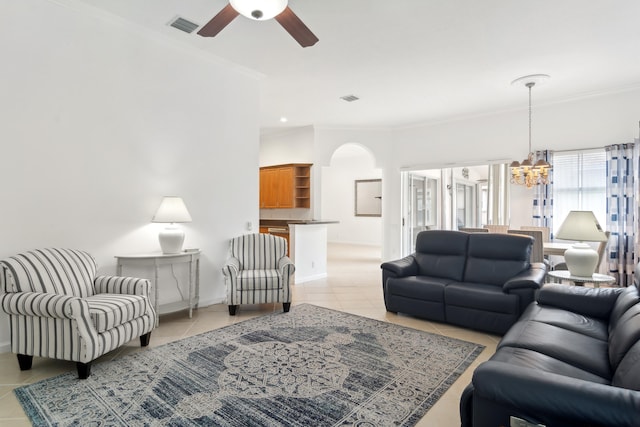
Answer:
x=627 y=299
x=258 y=251
x=51 y=270
x=494 y=258
x=627 y=375
x=624 y=335
x=441 y=253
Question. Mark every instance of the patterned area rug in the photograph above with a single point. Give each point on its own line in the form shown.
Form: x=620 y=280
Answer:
x=309 y=367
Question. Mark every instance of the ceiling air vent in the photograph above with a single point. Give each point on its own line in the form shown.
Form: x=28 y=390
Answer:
x=183 y=25
x=349 y=98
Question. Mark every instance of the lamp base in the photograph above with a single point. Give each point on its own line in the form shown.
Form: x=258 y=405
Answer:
x=581 y=260
x=171 y=239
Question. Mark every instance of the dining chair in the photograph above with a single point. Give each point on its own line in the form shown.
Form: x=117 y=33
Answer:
x=493 y=228
x=537 y=250
x=546 y=231
x=473 y=230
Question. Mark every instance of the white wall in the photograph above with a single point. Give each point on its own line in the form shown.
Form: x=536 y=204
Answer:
x=292 y=146
x=100 y=120
x=338 y=194
x=590 y=122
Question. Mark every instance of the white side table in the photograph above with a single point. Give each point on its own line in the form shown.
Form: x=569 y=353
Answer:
x=596 y=279
x=156 y=260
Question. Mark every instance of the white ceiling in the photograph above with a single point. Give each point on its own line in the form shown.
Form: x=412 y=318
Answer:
x=414 y=61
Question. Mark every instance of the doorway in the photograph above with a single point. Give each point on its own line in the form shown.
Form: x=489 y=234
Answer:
x=352 y=167
x=449 y=199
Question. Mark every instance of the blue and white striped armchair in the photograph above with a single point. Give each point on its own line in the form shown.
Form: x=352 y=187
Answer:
x=258 y=271
x=59 y=309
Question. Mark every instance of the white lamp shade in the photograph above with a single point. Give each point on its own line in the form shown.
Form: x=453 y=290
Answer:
x=172 y=209
x=581 y=226
x=259 y=10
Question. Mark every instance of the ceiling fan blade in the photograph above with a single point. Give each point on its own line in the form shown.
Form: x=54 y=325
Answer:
x=218 y=22
x=294 y=26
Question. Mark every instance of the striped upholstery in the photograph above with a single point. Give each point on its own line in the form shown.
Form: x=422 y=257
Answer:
x=110 y=310
x=56 y=271
x=258 y=270
x=59 y=309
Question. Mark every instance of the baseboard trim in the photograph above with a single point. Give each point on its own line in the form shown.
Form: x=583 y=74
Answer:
x=305 y=279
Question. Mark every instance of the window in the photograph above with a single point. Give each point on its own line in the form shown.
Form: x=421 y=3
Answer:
x=579 y=183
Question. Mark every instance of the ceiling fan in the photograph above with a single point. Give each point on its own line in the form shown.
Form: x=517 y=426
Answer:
x=261 y=10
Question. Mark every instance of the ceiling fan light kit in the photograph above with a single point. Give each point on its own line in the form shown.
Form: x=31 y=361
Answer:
x=261 y=10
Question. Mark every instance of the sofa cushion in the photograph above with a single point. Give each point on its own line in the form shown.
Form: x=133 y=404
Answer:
x=585 y=325
x=579 y=350
x=480 y=296
x=259 y=279
x=495 y=258
x=418 y=287
x=544 y=363
x=441 y=253
x=110 y=310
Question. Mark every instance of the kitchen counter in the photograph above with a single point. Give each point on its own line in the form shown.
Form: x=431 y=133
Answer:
x=307 y=245
x=285 y=222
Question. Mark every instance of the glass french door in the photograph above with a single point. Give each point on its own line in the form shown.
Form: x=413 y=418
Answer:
x=420 y=207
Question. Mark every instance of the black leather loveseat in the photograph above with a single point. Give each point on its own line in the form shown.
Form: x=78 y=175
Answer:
x=573 y=359
x=477 y=280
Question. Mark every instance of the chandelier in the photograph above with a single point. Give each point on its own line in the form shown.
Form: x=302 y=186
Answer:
x=527 y=172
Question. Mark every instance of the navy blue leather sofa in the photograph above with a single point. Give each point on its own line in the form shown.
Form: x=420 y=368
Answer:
x=573 y=359
x=480 y=281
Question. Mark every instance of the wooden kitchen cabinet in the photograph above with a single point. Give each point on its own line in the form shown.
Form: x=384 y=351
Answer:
x=285 y=186
x=268 y=188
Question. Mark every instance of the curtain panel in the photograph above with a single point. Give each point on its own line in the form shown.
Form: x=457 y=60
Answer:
x=543 y=196
x=623 y=166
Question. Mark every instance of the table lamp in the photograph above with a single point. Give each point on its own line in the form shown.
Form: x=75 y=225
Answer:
x=172 y=210
x=581 y=226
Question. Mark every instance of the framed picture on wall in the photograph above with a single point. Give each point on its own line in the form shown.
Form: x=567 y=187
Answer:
x=368 y=197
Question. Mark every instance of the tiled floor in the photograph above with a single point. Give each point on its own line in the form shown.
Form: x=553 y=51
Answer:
x=353 y=286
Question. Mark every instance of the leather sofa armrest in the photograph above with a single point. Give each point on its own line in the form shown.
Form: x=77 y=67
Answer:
x=594 y=302
x=531 y=278
x=404 y=267
x=552 y=399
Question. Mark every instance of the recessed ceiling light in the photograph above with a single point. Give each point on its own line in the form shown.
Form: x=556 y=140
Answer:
x=283 y=120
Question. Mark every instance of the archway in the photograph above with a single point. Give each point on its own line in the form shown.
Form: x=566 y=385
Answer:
x=349 y=163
